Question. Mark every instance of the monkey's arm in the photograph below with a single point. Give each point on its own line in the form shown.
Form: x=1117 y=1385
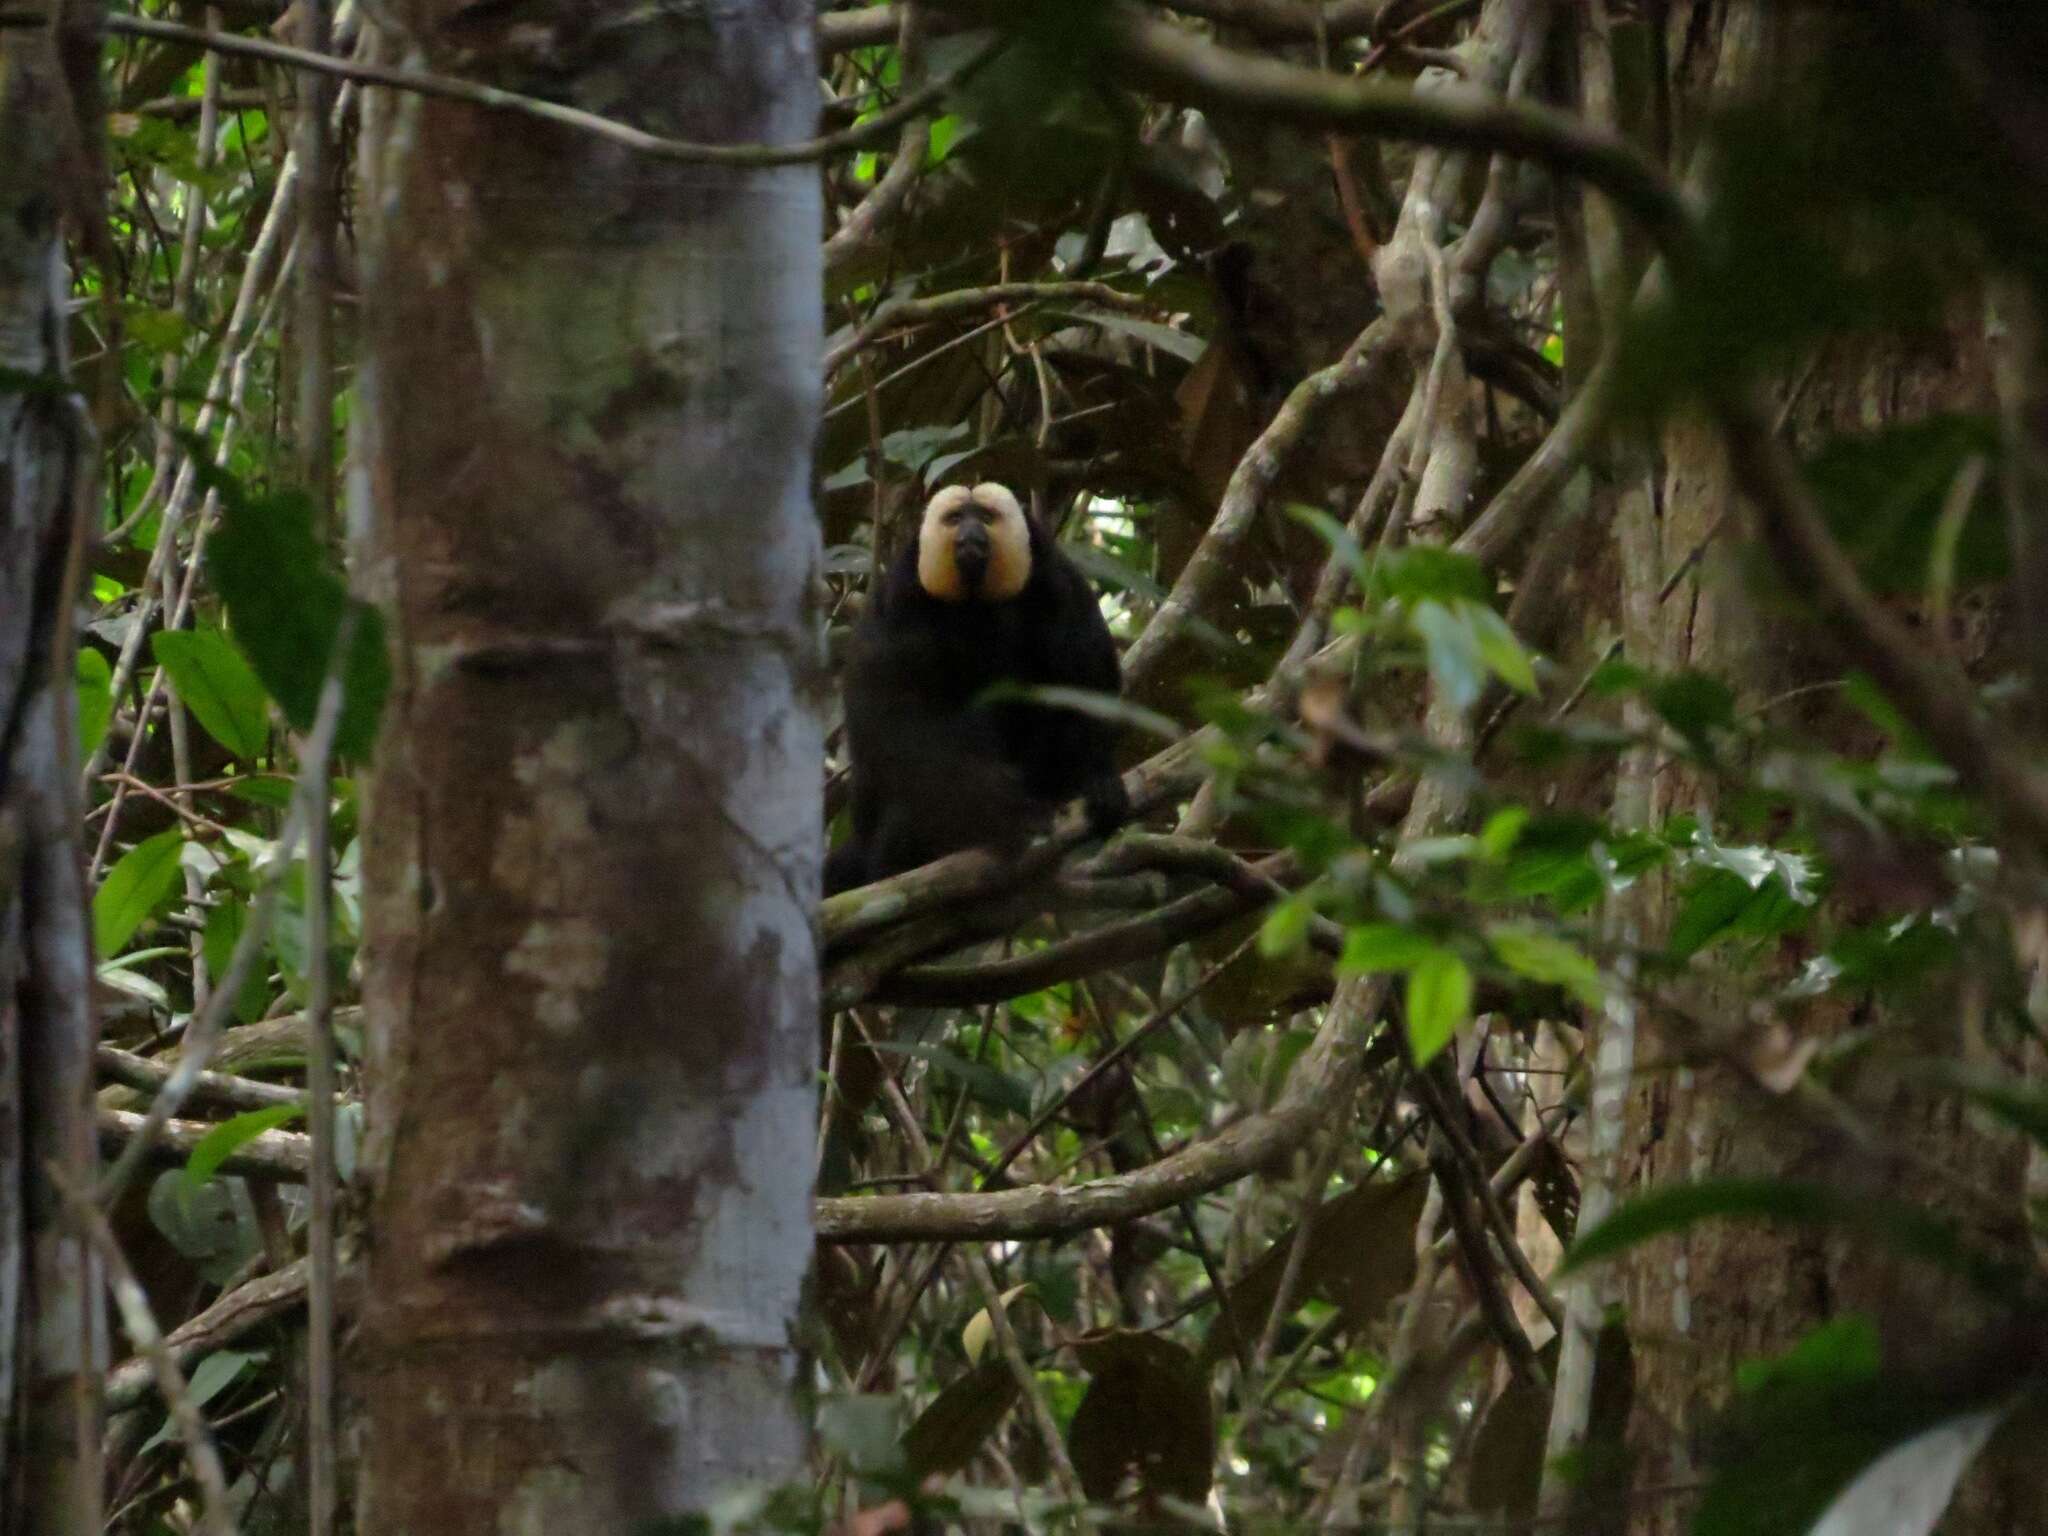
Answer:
x=1076 y=752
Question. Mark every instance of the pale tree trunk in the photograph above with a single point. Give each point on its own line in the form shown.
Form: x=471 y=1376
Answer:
x=52 y=1338
x=580 y=491
x=1722 y=1293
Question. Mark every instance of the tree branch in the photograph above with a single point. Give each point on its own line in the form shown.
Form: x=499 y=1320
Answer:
x=450 y=88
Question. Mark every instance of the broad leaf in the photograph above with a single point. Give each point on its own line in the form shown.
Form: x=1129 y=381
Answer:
x=1383 y=947
x=957 y=1421
x=1544 y=957
x=218 y=686
x=1439 y=1003
x=141 y=880
x=287 y=606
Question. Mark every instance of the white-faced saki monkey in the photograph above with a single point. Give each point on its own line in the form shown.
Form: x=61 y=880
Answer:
x=982 y=597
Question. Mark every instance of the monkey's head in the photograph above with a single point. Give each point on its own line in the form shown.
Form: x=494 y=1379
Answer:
x=973 y=544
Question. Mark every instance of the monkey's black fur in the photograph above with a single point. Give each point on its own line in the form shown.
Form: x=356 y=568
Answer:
x=935 y=768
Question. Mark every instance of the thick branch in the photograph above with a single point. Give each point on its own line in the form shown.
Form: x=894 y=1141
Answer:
x=1178 y=64
x=282 y=1155
x=1084 y=955
x=1213 y=561
x=1327 y=1071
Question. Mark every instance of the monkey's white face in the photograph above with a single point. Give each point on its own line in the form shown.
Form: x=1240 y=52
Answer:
x=973 y=542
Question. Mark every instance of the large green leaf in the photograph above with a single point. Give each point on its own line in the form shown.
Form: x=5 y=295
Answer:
x=141 y=880
x=287 y=605
x=224 y=925
x=1439 y=1002
x=218 y=686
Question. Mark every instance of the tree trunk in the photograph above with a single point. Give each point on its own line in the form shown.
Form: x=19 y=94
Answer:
x=52 y=1329
x=1722 y=1293
x=580 y=483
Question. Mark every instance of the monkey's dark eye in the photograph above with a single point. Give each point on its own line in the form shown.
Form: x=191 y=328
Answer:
x=952 y=519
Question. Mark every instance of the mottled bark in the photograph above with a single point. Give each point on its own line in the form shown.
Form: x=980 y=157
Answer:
x=52 y=1331
x=580 y=488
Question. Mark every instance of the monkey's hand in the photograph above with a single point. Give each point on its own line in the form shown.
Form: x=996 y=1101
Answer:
x=1109 y=806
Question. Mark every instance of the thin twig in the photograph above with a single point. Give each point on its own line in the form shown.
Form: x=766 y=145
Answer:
x=148 y=1339
x=450 y=88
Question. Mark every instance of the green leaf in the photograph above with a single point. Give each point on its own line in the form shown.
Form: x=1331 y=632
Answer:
x=1457 y=667
x=1709 y=908
x=224 y=925
x=140 y=881
x=1544 y=957
x=1885 y=494
x=95 y=699
x=1383 y=947
x=1439 y=1003
x=1430 y=573
x=950 y=1430
x=1694 y=703
x=1180 y=344
x=1900 y=1227
x=1501 y=647
x=1503 y=829
x=1842 y=1350
x=225 y=1139
x=1285 y=929
x=218 y=686
x=286 y=605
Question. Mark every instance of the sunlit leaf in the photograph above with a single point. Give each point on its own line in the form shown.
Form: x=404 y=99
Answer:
x=1285 y=929
x=980 y=1329
x=1439 y=1002
x=1418 y=573
x=1383 y=947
